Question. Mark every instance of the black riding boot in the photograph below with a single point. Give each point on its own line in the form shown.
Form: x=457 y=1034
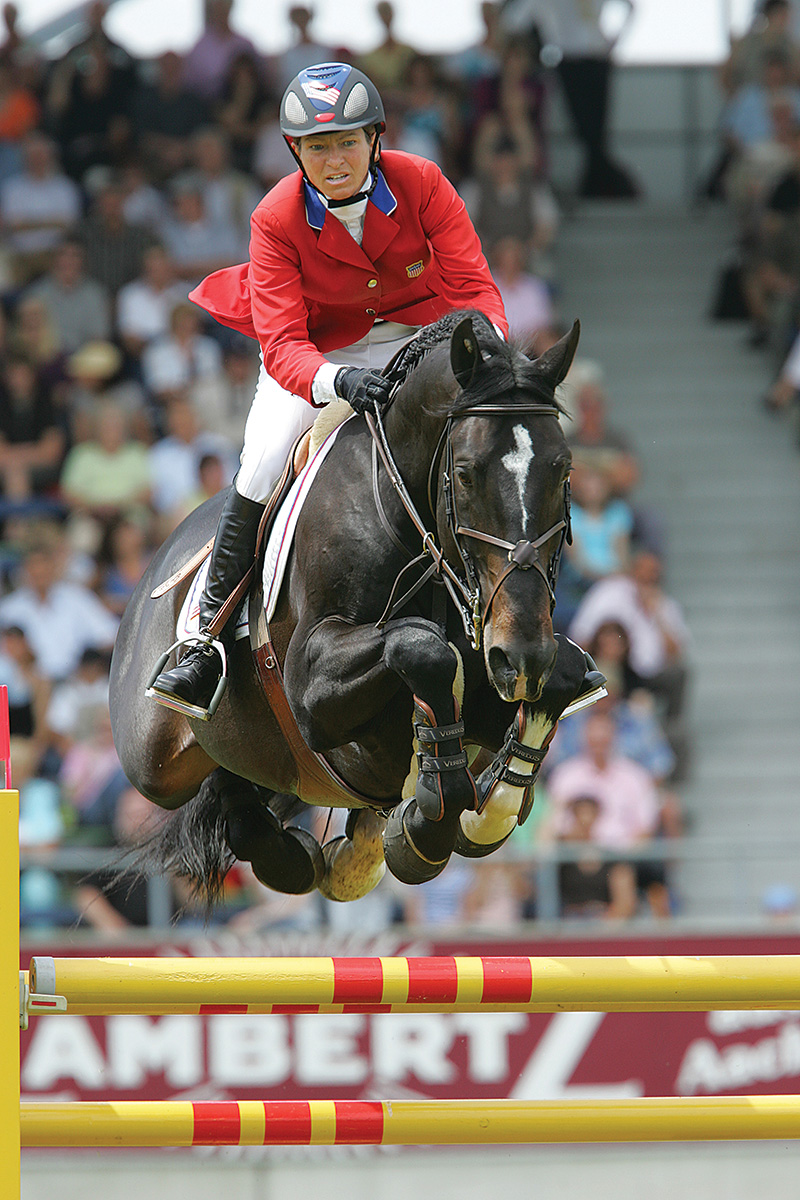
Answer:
x=190 y=687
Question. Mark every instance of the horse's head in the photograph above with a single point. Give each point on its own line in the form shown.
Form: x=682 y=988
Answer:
x=503 y=496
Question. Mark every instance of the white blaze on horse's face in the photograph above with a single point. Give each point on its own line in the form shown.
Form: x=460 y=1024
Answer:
x=518 y=463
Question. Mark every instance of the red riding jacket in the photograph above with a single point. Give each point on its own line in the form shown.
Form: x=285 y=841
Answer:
x=310 y=288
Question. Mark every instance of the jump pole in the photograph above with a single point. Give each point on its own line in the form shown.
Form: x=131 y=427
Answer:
x=9 y=966
x=409 y=1122
x=161 y=986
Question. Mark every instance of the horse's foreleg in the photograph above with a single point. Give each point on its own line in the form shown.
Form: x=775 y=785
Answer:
x=421 y=832
x=506 y=786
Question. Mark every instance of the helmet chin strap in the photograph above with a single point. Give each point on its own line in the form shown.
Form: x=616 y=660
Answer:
x=372 y=175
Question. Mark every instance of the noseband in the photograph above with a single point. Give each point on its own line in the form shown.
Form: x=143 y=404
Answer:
x=522 y=555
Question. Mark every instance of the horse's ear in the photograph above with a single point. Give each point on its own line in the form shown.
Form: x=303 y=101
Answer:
x=556 y=361
x=464 y=352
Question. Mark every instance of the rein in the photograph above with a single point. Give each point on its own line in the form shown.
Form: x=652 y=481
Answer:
x=465 y=593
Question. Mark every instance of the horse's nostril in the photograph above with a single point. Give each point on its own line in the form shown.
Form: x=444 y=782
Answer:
x=500 y=664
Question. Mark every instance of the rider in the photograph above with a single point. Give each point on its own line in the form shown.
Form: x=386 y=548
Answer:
x=348 y=257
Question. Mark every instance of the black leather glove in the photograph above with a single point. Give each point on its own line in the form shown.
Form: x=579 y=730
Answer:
x=362 y=388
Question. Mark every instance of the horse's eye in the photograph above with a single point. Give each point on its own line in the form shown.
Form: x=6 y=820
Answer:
x=464 y=477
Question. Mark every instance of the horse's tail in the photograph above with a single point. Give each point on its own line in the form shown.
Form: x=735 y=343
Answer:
x=191 y=844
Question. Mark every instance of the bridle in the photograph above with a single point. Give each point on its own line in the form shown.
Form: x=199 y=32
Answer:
x=464 y=592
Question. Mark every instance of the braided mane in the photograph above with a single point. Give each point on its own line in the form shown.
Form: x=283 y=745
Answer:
x=505 y=368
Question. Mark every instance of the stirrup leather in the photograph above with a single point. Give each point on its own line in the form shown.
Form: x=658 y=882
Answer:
x=184 y=706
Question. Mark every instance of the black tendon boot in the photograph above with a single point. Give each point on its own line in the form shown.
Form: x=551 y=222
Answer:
x=193 y=686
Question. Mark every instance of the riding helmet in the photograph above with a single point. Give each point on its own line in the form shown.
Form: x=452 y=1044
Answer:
x=330 y=98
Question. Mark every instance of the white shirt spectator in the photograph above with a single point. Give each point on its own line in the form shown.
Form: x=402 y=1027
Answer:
x=175 y=466
x=143 y=312
x=26 y=200
x=60 y=627
x=616 y=599
x=168 y=366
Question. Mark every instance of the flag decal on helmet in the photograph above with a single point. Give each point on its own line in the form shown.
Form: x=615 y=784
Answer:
x=323 y=87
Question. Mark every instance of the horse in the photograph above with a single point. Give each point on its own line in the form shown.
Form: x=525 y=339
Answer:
x=415 y=613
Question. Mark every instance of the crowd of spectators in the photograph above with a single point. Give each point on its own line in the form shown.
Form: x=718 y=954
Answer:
x=122 y=183
x=758 y=176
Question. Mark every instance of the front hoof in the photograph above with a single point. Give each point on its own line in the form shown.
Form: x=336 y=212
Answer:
x=468 y=849
x=406 y=862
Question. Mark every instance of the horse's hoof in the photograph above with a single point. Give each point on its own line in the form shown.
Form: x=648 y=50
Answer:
x=468 y=849
x=353 y=868
x=403 y=858
x=293 y=864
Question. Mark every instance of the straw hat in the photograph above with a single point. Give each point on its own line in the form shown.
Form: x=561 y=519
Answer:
x=95 y=360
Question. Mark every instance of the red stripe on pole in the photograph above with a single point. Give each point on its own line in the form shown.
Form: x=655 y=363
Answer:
x=295 y=1008
x=359 y=1122
x=5 y=738
x=216 y=1123
x=366 y=1008
x=432 y=980
x=206 y=1010
x=507 y=980
x=357 y=981
x=287 y=1123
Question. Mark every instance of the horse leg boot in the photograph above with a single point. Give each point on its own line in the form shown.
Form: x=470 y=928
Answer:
x=191 y=686
x=285 y=858
x=505 y=787
x=421 y=830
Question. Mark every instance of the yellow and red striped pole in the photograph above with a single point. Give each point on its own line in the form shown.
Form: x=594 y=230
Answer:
x=409 y=1122
x=97 y=986
x=9 y=967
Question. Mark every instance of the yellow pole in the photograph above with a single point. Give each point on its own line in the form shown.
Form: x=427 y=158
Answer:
x=608 y=984
x=9 y=996
x=409 y=1122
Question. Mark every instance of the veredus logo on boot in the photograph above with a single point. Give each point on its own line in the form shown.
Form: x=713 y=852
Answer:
x=323 y=90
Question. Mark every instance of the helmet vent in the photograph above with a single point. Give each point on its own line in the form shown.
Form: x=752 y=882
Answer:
x=356 y=103
x=294 y=111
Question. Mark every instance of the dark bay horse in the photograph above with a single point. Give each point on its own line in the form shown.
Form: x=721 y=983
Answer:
x=473 y=433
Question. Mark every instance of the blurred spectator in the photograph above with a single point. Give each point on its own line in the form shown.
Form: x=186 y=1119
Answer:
x=784 y=391
x=477 y=67
x=575 y=41
x=33 y=336
x=114 y=248
x=37 y=207
x=594 y=443
x=12 y=41
x=95 y=371
x=213 y=475
x=427 y=122
x=502 y=201
x=41 y=830
x=591 y=886
x=144 y=203
x=28 y=691
x=768 y=36
x=60 y=620
x=305 y=51
x=500 y=894
x=659 y=638
x=244 y=101
x=175 y=459
x=78 y=306
x=195 y=243
x=87 y=106
x=526 y=298
x=440 y=901
x=19 y=114
x=31 y=435
x=166 y=112
x=601 y=528
x=629 y=809
x=271 y=157
x=387 y=65
x=223 y=401
x=90 y=774
x=144 y=306
x=229 y=196
x=106 y=477
x=123 y=558
x=111 y=900
x=172 y=363
x=748 y=116
x=74 y=703
x=207 y=63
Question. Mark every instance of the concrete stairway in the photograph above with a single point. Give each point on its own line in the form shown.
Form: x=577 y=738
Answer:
x=725 y=477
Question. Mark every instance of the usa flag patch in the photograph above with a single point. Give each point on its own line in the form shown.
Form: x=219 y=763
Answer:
x=415 y=269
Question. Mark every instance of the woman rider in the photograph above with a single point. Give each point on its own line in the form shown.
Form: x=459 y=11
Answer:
x=348 y=257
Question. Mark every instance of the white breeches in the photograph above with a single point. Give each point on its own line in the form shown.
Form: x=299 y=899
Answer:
x=277 y=417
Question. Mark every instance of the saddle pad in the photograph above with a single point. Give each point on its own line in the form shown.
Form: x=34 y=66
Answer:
x=189 y=617
x=281 y=535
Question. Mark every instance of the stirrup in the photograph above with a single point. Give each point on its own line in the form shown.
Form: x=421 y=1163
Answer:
x=591 y=697
x=183 y=706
